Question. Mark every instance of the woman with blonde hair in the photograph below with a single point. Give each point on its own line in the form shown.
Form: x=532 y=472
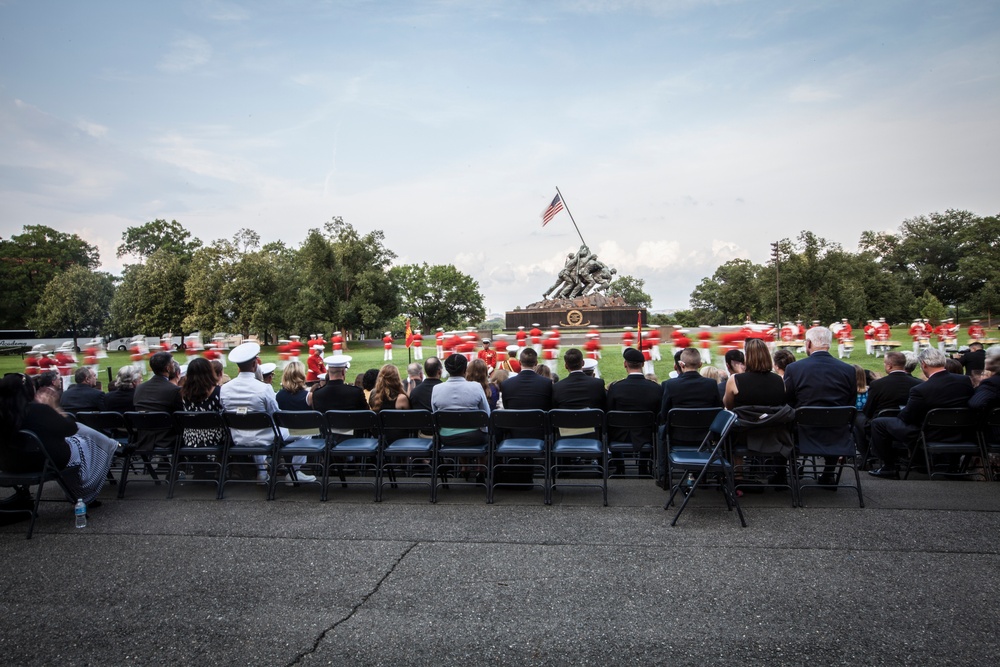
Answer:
x=862 y=381
x=388 y=393
x=293 y=392
x=498 y=378
x=479 y=373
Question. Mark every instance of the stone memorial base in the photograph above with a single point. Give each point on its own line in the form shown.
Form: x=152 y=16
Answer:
x=581 y=312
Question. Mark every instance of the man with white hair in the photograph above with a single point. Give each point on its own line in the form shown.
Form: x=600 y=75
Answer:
x=821 y=380
x=941 y=390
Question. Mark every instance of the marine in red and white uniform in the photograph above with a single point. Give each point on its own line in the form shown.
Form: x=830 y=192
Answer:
x=951 y=329
x=138 y=353
x=315 y=366
x=550 y=352
x=337 y=343
x=940 y=334
x=654 y=344
x=646 y=347
x=468 y=344
x=521 y=337
x=417 y=342
x=592 y=349
x=918 y=333
x=488 y=354
x=90 y=352
x=282 y=350
x=295 y=346
x=869 y=330
x=976 y=331
x=192 y=346
x=628 y=338
x=46 y=362
x=450 y=344
x=439 y=342
x=536 y=338
x=845 y=338
x=593 y=330
x=387 y=346
x=32 y=359
x=705 y=344
x=65 y=363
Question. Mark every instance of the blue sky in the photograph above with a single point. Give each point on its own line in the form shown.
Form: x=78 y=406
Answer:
x=683 y=133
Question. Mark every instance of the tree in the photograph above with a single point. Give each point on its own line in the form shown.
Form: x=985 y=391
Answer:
x=929 y=306
x=437 y=296
x=146 y=239
x=631 y=290
x=730 y=295
x=203 y=290
x=76 y=301
x=28 y=261
x=151 y=297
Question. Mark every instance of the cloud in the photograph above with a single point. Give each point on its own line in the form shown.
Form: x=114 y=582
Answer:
x=807 y=93
x=185 y=54
x=93 y=129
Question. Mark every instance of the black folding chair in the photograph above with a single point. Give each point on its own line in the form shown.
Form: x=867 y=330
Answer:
x=639 y=448
x=113 y=425
x=708 y=459
x=205 y=457
x=353 y=447
x=267 y=441
x=401 y=449
x=515 y=452
x=307 y=438
x=991 y=438
x=454 y=457
x=23 y=481
x=952 y=433
x=827 y=432
x=153 y=458
x=577 y=454
x=685 y=429
x=761 y=448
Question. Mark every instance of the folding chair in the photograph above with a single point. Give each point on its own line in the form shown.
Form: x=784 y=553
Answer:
x=578 y=454
x=709 y=458
x=761 y=448
x=827 y=431
x=23 y=481
x=357 y=452
x=513 y=449
x=640 y=448
x=148 y=423
x=400 y=448
x=954 y=433
x=685 y=429
x=866 y=446
x=450 y=456
x=210 y=456
x=268 y=440
x=308 y=439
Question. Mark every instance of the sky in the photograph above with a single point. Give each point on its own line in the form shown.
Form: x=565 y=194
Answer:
x=681 y=133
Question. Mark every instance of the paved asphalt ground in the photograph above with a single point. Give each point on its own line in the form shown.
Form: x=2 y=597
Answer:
x=909 y=580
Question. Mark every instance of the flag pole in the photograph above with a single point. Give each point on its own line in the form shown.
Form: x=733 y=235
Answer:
x=566 y=206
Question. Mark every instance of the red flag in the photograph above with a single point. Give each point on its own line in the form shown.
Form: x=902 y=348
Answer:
x=552 y=210
x=409 y=333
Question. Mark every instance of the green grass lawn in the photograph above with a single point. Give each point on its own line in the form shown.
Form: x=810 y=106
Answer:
x=365 y=358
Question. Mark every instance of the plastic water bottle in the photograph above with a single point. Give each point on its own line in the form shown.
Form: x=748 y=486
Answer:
x=689 y=483
x=80 y=510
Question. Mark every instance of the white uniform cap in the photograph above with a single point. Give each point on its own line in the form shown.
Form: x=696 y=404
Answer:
x=486 y=340
x=589 y=364
x=244 y=352
x=336 y=333
x=338 y=361
x=387 y=333
x=267 y=368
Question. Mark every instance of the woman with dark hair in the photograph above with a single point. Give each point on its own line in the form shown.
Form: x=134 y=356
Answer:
x=74 y=448
x=781 y=360
x=756 y=384
x=368 y=381
x=293 y=392
x=201 y=393
x=388 y=393
x=861 y=377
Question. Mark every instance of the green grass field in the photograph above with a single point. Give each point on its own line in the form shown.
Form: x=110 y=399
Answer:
x=365 y=358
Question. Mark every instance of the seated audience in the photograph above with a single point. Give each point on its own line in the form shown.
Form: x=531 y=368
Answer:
x=293 y=392
x=459 y=394
x=388 y=392
x=84 y=396
x=757 y=384
x=987 y=396
x=220 y=372
x=498 y=377
x=781 y=360
x=478 y=372
x=201 y=393
x=862 y=378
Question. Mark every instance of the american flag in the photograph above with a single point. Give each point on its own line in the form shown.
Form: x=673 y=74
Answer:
x=552 y=210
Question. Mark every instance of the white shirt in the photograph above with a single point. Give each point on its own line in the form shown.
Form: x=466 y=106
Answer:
x=246 y=391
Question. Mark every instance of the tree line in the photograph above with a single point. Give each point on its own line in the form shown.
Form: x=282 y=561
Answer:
x=932 y=264
x=336 y=279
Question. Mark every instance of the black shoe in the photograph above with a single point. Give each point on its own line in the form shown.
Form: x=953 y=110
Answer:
x=828 y=481
x=885 y=472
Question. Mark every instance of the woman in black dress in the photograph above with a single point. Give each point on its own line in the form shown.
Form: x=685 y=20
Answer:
x=201 y=393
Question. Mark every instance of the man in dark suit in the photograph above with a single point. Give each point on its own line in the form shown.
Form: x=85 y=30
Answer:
x=158 y=394
x=420 y=396
x=336 y=394
x=84 y=395
x=527 y=390
x=821 y=380
x=987 y=396
x=941 y=390
x=886 y=393
x=974 y=360
x=633 y=394
x=577 y=391
x=688 y=390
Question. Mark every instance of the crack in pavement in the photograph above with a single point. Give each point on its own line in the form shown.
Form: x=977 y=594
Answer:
x=354 y=610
